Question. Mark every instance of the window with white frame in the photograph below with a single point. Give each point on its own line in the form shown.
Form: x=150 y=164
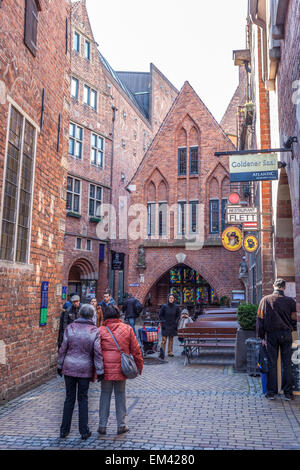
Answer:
x=95 y=200
x=87 y=49
x=89 y=245
x=75 y=140
x=182 y=217
x=73 y=195
x=193 y=216
x=97 y=150
x=78 y=243
x=76 y=41
x=74 y=87
x=214 y=216
x=162 y=218
x=18 y=189
x=90 y=97
x=151 y=218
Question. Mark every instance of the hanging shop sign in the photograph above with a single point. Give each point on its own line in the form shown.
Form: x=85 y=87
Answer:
x=250 y=226
x=249 y=167
x=234 y=198
x=232 y=238
x=250 y=243
x=117 y=261
x=240 y=214
x=44 y=303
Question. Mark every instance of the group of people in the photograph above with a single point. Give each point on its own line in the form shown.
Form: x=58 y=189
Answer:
x=88 y=335
x=87 y=352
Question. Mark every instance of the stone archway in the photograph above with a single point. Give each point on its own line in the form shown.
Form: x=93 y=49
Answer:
x=82 y=279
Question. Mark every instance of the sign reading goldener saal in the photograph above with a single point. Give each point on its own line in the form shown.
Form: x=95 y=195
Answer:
x=250 y=167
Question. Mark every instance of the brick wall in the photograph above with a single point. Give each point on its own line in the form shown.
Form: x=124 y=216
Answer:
x=30 y=350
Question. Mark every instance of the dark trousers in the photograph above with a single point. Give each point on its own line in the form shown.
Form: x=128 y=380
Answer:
x=282 y=338
x=81 y=386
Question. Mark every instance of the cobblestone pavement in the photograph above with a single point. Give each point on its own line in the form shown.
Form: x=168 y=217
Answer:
x=169 y=407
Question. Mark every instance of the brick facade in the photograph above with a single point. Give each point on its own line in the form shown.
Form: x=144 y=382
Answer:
x=28 y=350
x=127 y=132
x=188 y=124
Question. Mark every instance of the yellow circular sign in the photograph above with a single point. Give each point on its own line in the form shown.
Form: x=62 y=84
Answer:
x=232 y=238
x=250 y=243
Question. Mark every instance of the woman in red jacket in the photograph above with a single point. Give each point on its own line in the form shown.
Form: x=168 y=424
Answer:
x=113 y=376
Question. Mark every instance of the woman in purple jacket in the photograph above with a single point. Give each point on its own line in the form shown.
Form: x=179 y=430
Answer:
x=78 y=355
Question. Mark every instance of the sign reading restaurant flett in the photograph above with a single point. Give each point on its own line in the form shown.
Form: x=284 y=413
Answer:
x=258 y=167
x=236 y=214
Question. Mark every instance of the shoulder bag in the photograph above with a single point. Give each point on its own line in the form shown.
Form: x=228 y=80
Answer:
x=128 y=365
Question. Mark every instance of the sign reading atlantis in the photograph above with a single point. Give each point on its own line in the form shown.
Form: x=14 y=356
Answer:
x=258 y=167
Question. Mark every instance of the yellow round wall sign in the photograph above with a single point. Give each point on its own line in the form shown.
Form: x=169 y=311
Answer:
x=250 y=243
x=232 y=238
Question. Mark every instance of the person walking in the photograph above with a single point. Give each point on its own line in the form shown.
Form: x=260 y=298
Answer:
x=169 y=315
x=114 y=379
x=184 y=321
x=276 y=319
x=98 y=316
x=79 y=354
x=68 y=316
x=132 y=308
x=107 y=300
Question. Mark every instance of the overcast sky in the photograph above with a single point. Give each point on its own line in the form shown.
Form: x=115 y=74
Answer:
x=188 y=40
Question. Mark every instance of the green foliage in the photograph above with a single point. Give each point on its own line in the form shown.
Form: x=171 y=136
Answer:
x=246 y=316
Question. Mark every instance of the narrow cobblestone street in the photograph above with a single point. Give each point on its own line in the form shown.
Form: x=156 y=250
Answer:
x=169 y=407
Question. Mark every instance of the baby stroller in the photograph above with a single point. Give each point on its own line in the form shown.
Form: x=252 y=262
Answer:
x=148 y=336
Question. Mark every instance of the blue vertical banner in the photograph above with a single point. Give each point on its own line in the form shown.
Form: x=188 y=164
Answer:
x=64 y=292
x=44 y=303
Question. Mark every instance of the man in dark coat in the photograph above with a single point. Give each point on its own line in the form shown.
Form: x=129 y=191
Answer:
x=169 y=315
x=132 y=308
x=276 y=319
x=68 y=316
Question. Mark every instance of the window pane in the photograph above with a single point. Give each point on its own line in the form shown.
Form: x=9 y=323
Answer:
x=100 y=159
x=76 y=203
x=76 y=42
x=74 y=87
x=88 y=245
x=224 y=204
x=194 y=160
x=91 y=207
x=98 y=208
x=182 y=161
x=214 y=216
x=78 y=243
x=69 y=202
x=100 y=143
x=78 y=148
x=93 y=99
x=78 y=133
x=86 y=94
x=69 y=184
x=77 y=186
x=71 y=147
x=87 y=50
x=92 y=190
x=72 y=130
x=99 y=193
x=94 y=140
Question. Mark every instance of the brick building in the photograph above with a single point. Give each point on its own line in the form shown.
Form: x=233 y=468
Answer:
x=182 y=190
x=272 y=47
x=34 y=107
x=114 y=116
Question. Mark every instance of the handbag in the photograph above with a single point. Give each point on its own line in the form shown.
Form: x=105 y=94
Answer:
x=128 y=365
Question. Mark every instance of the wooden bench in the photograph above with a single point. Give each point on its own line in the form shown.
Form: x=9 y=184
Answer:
x=229 y=317
x=209 y=334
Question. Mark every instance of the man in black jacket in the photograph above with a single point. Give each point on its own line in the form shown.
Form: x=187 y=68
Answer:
x=68 y=316
x=276 y=319
x=132 y=308
x=169 y=315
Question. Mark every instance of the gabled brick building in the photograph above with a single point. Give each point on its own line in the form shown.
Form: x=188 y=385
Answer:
x=114 y=116
x=180 y=171
x=34 y=107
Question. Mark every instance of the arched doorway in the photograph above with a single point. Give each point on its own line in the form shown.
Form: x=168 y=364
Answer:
x=82 y=280
x=188 y=286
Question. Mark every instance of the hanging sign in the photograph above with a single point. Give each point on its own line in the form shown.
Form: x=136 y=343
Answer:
x=250 y=226
x=250 y=243
x=232 y=238
x=234 y=198
x=44 y=303
x=240 y=214
x=258 y=167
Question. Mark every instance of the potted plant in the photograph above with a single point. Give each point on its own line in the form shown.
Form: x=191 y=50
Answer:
x=224 y=301
x=246 y=318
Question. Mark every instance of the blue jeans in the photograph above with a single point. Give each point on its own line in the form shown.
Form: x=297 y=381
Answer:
x=107 y=386
x=132 y=324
